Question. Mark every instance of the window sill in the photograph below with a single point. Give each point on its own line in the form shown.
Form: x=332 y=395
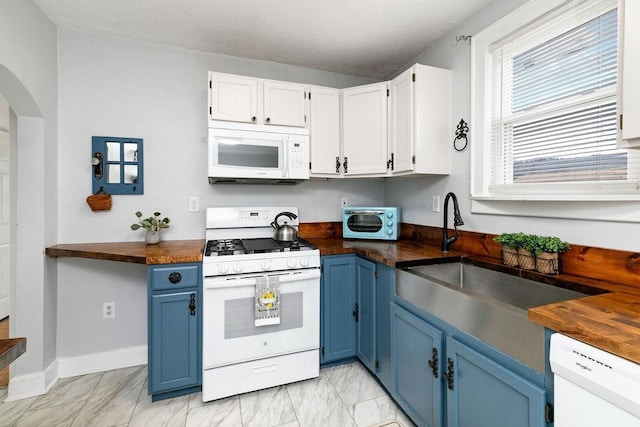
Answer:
x=602 y=208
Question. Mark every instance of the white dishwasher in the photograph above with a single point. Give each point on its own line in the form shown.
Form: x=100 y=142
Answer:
x=593 y=388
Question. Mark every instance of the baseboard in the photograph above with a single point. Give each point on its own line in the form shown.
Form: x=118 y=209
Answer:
x=100 y=362
x=24 y=386
x=30 y=385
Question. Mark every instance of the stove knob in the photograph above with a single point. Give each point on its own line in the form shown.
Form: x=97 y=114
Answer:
x=304 y=261
x=223 y=268
x=266 y=265
x=291 y=262
x=237 y=268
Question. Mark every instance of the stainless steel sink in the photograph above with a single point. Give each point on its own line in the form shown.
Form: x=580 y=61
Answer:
x=487 y=304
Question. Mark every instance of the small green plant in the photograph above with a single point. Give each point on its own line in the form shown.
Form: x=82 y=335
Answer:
x=550 y=244
x=512 y=240
x=153 y=223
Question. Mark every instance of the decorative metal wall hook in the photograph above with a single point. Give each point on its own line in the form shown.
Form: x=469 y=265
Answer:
x=461 y=134
x=463 y=38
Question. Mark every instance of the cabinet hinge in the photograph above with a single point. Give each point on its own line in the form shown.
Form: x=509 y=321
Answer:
x=413 y=77
x=387 y=92
x=305 y=118
x=621 y=121
x=377 y=364
x=305 y=95
x=413 y=159
x=322 y=350
x=309 y=165
x=375 y=274
x=321 y=268
x=309 y=95
x=210 y=85
x=209 y=110
x=548 y=413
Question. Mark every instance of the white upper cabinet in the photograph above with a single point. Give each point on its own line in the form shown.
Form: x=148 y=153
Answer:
x=629 y=72
x=251 y=100
x=233 y=98
x=364 y=130
x=324 y=112
x=284 y=103
x=420 y=135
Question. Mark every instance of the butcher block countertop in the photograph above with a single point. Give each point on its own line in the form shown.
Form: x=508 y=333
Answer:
x=165 y=252
x=10 y=349
x=609 y=320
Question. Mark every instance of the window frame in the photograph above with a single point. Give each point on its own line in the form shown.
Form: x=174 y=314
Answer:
x=583 y=200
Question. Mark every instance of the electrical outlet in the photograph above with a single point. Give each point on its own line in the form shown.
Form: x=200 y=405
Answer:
x=108 y=310
x=344 y=202
x=435 y=204
x=194 y=204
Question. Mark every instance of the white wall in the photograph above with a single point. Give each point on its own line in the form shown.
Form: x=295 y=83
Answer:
x=415 y=195
x=28 y=80
x=120 y=87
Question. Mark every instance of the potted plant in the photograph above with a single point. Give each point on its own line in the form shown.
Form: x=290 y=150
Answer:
x=510 y=243
x=546 y=251
x=153 y=225
x=527 y=252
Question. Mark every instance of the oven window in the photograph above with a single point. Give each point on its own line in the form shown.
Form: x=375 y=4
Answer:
x=364 y=223
x=248 y=155
x=239 y=316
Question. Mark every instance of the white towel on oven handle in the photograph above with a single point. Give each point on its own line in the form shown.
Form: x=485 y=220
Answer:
x=267 y=306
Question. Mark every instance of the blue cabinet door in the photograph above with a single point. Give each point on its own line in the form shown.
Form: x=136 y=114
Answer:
x=417 y=383
x=385 y=287
x=338 y=300
x=173 y=341
x=484 y=393
x=366 y=342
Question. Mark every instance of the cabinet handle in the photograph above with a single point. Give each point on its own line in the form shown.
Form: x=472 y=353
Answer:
x=433 y=363
x=268 y=120
x=449 y=374
x=253 y=119
x=192 y=304
x=175 y=277
x=337 y=164
x=345 y=165
x=356 y=312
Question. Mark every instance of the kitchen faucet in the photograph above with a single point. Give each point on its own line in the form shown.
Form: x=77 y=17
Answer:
x=457 y=220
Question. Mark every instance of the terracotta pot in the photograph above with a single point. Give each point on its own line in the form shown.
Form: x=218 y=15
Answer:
x=509 y=256
x=547 y=263
x=526 y=259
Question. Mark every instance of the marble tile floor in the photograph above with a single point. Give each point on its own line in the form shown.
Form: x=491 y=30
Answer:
x=345 y=395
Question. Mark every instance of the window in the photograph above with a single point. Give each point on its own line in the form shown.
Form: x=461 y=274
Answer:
x=548 y=123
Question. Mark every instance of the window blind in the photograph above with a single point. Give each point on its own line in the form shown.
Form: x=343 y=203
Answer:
x=554 y=102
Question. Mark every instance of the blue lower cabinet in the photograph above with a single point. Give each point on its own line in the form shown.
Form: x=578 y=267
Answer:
x=481 y=392
x=366 y=343
x=385 y=288
x=337 y=308
x=416 y=349
x=175 y=319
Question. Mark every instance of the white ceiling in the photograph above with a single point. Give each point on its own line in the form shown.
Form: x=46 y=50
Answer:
x=369 y=38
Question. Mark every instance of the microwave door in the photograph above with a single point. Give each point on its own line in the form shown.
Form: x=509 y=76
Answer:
x=247 y=157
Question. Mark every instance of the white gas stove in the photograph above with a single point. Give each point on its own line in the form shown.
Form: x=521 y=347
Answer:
x=261 y=312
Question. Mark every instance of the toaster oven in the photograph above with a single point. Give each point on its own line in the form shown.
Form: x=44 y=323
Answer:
x=371 y=223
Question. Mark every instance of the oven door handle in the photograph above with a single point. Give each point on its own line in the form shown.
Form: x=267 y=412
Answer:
x=250 y=280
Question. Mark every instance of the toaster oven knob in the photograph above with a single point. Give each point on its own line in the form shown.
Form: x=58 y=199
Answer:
x=265 y=265
x=304 y=261
x=389 y=231
x=237 y=268
x=389 y=223
x=291 y=262
x=389 y=214
x=223 y=267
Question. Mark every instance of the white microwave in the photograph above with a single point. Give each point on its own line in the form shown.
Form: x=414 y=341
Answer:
x=258 y=154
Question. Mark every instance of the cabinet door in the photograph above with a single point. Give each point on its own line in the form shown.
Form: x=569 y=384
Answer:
x=325 y=131
x=364 y=130
x=366 y=313
x=385 y=287
x=173 y=342
x=284 y=104
x=338 y=299
x=417 y=386
x=484 y=393
x=630 y=64
x=233 y=98
x=401 y=132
